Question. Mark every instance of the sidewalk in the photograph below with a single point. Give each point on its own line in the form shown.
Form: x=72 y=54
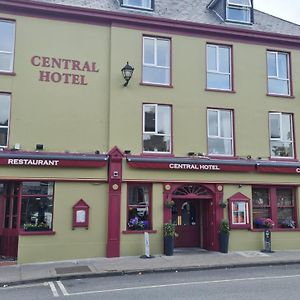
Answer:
x=193 y=259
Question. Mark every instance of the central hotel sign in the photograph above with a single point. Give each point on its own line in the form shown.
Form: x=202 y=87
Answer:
x=194 y=167
x=70 y=70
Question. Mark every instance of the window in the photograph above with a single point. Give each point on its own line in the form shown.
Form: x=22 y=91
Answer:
x=157 y=128
x=4 y=119
x=220 y=132
x=7 y=34
x=239 y=211
x=219 y=67
x=281 y=135
x=276 y=203
x=278 y=73
x=139 y=207
x=239 y=11
x=37 y=206
x=142 y=4
x=156 y=60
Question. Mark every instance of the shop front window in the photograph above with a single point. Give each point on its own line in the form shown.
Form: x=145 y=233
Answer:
x=37 y=206
x=275 y=203
x=139 y=207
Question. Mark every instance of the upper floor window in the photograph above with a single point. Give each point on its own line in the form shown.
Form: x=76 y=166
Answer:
x=220 y=132
x=278 y=73
x=156 y=60
x=239 y=11
x=156 y=128
x=219 y=67
x=7 y=43
x=140 y=4
x=4 y=118
x=281 y=135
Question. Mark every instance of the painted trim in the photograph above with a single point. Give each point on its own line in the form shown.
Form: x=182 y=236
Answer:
x=30 y=233
x=93 y=16
x=138 y=231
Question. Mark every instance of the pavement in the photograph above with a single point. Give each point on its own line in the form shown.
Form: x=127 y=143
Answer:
x=182 y=260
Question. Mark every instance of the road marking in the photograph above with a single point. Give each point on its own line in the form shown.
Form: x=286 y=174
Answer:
x=182 y=284
x=22 y=286
x=53 y=289
x=62 y=288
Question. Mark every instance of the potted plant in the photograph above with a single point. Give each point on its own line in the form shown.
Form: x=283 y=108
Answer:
x=36 y=227
x=169 y=203
x=224 y=236
x=169 y=234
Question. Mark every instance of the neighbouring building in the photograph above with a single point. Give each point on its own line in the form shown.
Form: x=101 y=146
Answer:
x=209 y=121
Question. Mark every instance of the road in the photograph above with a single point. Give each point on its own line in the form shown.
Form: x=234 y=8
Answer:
x=276 y=283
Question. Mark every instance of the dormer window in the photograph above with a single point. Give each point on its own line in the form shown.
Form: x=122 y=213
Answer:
x=138 y=4
x=239 y=11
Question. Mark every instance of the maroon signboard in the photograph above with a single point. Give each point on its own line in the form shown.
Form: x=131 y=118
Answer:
x=205 y=165
x=24 y=159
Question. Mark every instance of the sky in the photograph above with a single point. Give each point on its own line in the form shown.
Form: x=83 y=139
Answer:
x=285 y=9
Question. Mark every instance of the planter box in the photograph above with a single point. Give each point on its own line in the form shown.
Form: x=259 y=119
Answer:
x=38 y=229
x=169 y=245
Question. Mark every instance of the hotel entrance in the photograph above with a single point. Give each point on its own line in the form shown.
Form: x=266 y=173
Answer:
x=192 y=214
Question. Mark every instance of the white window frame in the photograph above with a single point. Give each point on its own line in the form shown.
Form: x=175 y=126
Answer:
x=8 y=120
x=155 y=65
x=217 y=71
x=11 y=53
x=126 y=3
x=277 y=77
x=156 y=127
x=243 y=209
x=231 y=4
x=280 y=139
x=219 y=131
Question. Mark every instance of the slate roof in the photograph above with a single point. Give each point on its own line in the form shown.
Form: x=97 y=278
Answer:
x=191 y=11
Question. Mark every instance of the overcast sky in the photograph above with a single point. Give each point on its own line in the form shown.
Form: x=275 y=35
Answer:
x=285 y=9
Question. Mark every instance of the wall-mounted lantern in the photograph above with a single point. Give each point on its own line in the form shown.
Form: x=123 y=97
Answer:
x=127 y=72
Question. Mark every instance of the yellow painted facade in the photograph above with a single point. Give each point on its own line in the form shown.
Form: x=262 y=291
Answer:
x=100 y=113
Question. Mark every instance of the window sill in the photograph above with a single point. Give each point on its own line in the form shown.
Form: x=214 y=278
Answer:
x=138 y=231
x=137 y=8
x=156 y=154
x=220 y=91
x=275 y=229
x=242 y=226
x=23 y=232
x=281 y=96
x=8 y=73
x=169 y=86
x=289 y=159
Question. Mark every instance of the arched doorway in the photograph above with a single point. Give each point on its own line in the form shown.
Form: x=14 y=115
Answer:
x=193 y=215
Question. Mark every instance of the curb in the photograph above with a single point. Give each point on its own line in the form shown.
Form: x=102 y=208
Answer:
x=147 y=271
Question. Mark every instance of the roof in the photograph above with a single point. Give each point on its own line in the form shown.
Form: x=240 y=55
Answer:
x=191 y=11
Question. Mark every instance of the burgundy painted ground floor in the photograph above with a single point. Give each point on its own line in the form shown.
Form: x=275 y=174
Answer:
x=134 y=201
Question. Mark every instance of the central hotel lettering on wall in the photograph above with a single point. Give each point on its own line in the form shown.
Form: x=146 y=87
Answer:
x=69 y=69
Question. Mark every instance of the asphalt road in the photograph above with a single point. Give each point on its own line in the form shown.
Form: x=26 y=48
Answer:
x=277 y=282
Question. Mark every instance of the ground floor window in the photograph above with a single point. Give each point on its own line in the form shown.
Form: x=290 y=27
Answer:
x=275 y=203
x=37 y=206
x=139 y=207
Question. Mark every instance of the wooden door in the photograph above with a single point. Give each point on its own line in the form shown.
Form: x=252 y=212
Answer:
x=185 y=214
x=9 y=213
